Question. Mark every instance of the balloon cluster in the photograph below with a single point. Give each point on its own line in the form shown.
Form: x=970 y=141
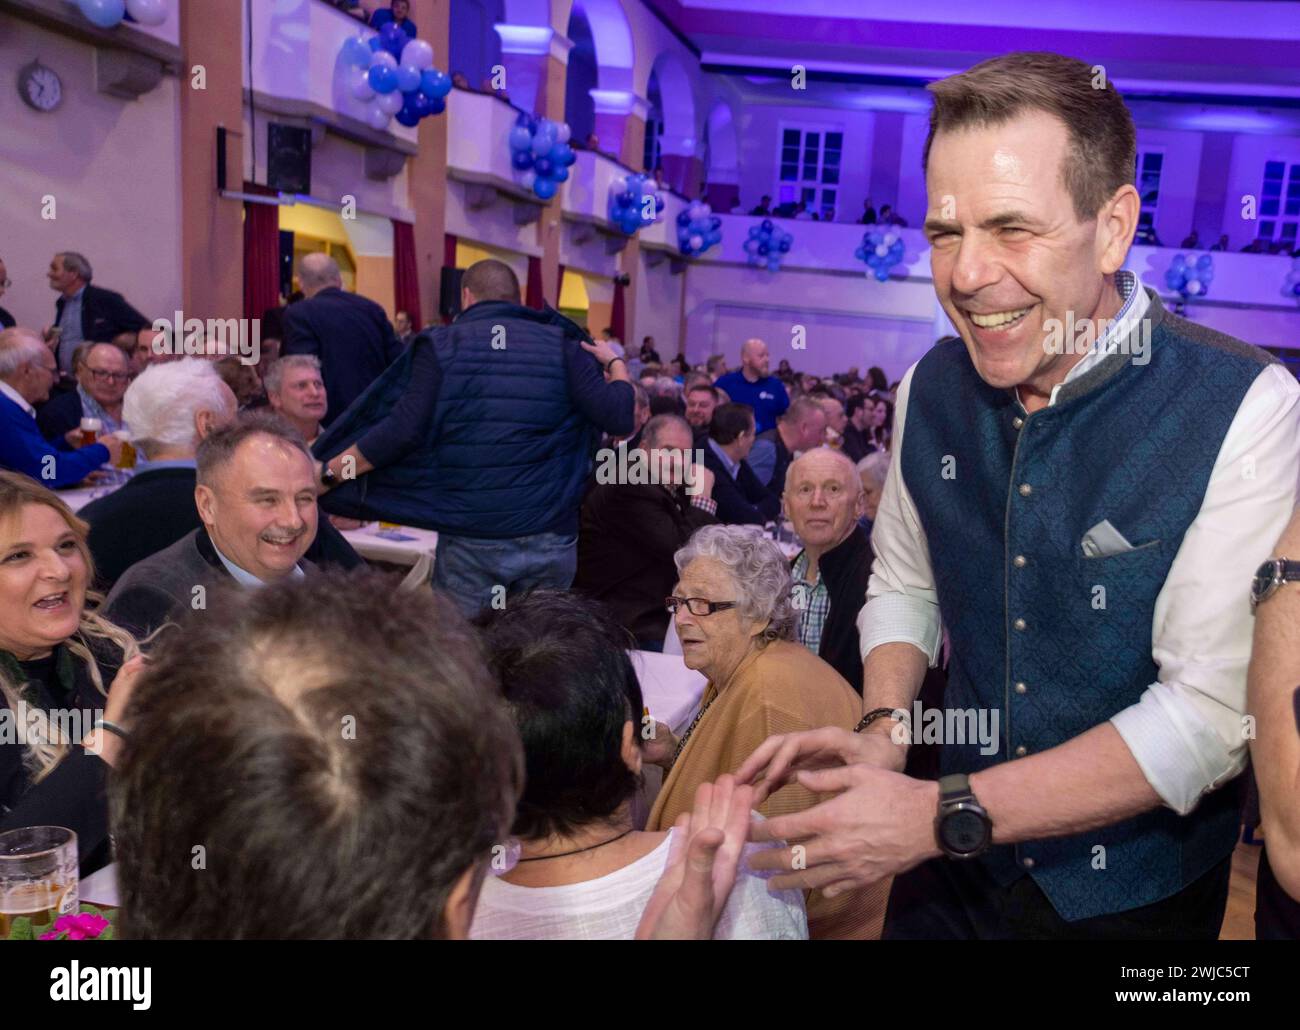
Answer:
x=634 y=204
x=396 y=74
x=540 y=154
x=107 y=13
x=1191 y=280
x=766 y=244
x=1291 y=284
x=881 y=250
x=698 y=229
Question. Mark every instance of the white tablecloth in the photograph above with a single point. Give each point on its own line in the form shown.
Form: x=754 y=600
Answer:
x=416 y=550
x=79 y=498
x=100 y=888
x=671 y=691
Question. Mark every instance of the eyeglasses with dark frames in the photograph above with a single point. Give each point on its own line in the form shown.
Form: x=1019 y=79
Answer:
x=700 y=606
x=104 y=376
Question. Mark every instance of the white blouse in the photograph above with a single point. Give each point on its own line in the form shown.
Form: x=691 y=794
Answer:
x=610 y=907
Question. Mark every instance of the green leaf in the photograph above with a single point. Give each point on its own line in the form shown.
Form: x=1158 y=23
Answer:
x=21 y=929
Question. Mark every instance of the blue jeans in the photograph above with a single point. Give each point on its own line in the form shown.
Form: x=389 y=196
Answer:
x=477 y=573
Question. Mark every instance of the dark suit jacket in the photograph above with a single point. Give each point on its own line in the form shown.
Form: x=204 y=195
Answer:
x=856 y=445
x=155 y=509
x=776 y=484
x=743 y=500
x=59 y=414
x=845 y=570
x=6 y=319
x=160 y=589
x=104 y=314
x=626 y=542
x=352 y=337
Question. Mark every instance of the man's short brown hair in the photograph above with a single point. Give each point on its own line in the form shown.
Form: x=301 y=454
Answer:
x=1103 y=142
x=491 y=279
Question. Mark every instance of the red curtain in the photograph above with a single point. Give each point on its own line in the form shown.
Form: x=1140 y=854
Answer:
x=406 y=276
x=617 y=316
x=261 y=258
x=534 y=297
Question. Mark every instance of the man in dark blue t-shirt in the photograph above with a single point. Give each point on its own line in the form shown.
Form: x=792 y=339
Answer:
x=753 y=385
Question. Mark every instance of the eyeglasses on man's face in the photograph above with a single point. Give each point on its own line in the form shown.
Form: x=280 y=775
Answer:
x=102 y=375
x=697 y=605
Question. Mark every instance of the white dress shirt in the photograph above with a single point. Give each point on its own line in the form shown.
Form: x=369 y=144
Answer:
x=17 y=398
x=1186 y=731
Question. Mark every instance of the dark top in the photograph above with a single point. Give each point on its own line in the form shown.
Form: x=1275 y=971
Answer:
x=856 y=445
x=845 y=570
x=783 y=458
x=626 y=541
x=58 y=415
x=351 y=336
x=1277 y=914
x=743 y=500
x=104 y=314
x=156 y=508
x=72 y=793
x=6 y=320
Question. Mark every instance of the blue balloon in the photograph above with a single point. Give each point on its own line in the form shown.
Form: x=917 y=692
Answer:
x=683 y=218
x=569 y=156
x=766 y=225
x=784 y=245
x=408 y=117
x=104 y=13
x=521 y=139
x=754 y=230
x=543 y=165
x=437 y=105
x=1204 y=261
x=420 y=104
x=355 y=51
x=375 y=44
x=436 y=83
x=764 y=249
x=882 y=275
x=545 y=188
x=521 y=160
x=560 y=174
x=408 y=78
x=1206 y=274
x=774 y=265
x=383 y=79
x=1180 y=260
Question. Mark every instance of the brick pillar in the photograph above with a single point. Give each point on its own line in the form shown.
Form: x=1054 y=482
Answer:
x=212 y=228
x=427 y=171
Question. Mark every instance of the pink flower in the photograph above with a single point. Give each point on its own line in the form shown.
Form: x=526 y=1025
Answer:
x=76 y=928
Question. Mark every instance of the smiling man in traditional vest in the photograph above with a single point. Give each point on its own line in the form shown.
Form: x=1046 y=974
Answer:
x=1085 y=524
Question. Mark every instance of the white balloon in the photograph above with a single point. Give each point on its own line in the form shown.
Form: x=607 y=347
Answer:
x=562 y=132
x=526 y=179
x=390 y=103
x=882 y=250
x=890 y=237
x=378 y=118
x=419 y=53
x=383 y=57
x=147 y=12
x=361 y=87
x=697 y=242
x=707 y=210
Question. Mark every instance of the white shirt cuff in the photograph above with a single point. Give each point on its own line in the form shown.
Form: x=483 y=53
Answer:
x=900 y=618
x=1181 y=756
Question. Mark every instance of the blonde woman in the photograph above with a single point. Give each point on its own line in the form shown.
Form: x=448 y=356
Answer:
x=56 y=657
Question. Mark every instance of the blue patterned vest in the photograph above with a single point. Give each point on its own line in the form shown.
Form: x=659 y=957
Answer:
x=1134 y=444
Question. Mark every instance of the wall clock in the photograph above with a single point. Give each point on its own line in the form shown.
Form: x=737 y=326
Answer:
x=40 y=87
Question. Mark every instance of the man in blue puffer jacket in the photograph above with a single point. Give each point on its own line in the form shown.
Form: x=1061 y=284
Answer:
x=484 y=431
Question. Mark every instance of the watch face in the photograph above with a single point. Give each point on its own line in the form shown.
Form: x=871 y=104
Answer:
x=1263 y=583
x=964 y=831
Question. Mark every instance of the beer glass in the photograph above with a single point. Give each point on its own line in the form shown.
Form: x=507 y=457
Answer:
x=90 y=428
x=38 y=876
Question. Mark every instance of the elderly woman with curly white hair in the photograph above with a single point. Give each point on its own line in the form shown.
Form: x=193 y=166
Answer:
x=735 y=615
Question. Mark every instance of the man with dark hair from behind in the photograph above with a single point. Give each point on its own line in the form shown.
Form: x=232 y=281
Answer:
x=484 y=431
x=741 y=498
x=360 y=812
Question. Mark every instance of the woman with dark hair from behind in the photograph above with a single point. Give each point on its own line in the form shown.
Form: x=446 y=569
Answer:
x=584 y=872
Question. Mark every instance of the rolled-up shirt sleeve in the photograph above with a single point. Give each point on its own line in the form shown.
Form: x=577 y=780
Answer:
x=902 y=601
x=1188 y=731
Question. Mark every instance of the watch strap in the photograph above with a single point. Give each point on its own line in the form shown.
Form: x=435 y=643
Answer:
x=952 y=787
